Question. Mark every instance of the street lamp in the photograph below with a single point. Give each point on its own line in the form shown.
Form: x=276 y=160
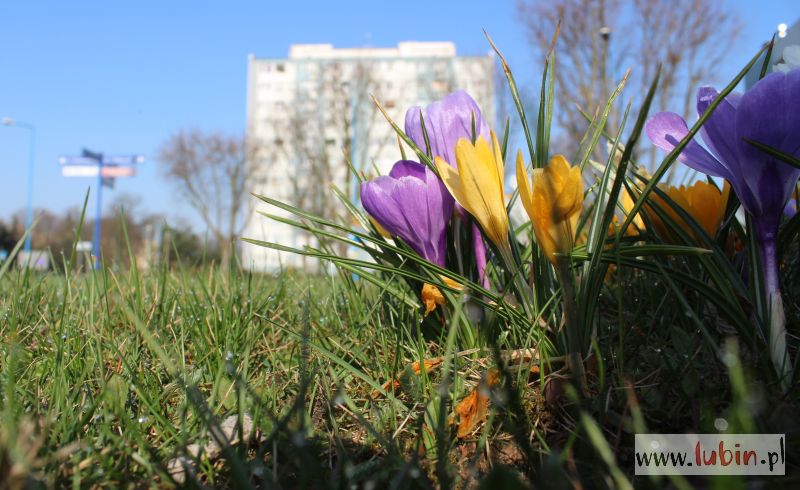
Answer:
x=7 y=121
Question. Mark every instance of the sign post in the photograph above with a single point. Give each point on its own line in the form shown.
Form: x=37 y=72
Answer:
x=106 y=169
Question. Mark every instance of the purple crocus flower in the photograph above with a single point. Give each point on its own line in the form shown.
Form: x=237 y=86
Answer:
x=446 y=121
x=767 y=113
x=412 y=203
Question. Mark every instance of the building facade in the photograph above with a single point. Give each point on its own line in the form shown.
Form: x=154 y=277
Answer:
x=312 y=117
x=785 y=54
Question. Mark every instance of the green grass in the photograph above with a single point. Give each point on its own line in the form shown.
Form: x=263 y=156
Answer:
x=107 y=376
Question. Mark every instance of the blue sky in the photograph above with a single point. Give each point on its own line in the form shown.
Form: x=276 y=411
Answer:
x=121 y=77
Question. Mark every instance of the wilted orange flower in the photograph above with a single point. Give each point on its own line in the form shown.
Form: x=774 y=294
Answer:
x=432 y=296
x=474 y=408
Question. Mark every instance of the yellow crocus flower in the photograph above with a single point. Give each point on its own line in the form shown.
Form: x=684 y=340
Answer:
x=477 y=185
x=553 y=200
x=627 y=206
x=702 y=201
x=708 y=205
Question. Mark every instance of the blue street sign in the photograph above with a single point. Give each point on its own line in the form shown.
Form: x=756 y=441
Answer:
x=123 y=159
x=76 y=161
x=92 y=159
x=106 y=168
x=109 y=160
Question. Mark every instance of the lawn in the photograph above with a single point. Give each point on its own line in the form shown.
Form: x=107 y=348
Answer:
x=115 y=378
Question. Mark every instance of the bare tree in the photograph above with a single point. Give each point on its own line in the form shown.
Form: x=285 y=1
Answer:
x=331 y=123
x=212 y=171
x=600 y=39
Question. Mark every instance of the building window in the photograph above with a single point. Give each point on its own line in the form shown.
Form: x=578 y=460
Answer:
x=280 y=67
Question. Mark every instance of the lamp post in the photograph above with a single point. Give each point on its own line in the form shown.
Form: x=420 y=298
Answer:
x=7 y=121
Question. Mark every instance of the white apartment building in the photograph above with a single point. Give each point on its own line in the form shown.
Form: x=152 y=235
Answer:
x=311 y=113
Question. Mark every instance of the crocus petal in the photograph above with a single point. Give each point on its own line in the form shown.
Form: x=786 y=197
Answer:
x=446 y=121
x=500 y=170
x=413 y=204
x=451 y=179
x=523 y=185
x=702 y=201
x=706 y=205
x=406 y=168
x=414 y=196
x=483 y=187
x=542 y=215
x=667 y=129
x=566 y=181
x=627 y=206
x=477 y=185
x=719 y=130
x=440 y=208
x=437 y=204
x=475 y=170
x=554 y=203
x=768 y=115
x=764 y=115
x=413 y=127
x=380 y=199
x=719 y=133
x=376 y=196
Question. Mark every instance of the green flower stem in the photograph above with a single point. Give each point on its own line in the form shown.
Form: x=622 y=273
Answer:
x=524 y=292
x=571 y=324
